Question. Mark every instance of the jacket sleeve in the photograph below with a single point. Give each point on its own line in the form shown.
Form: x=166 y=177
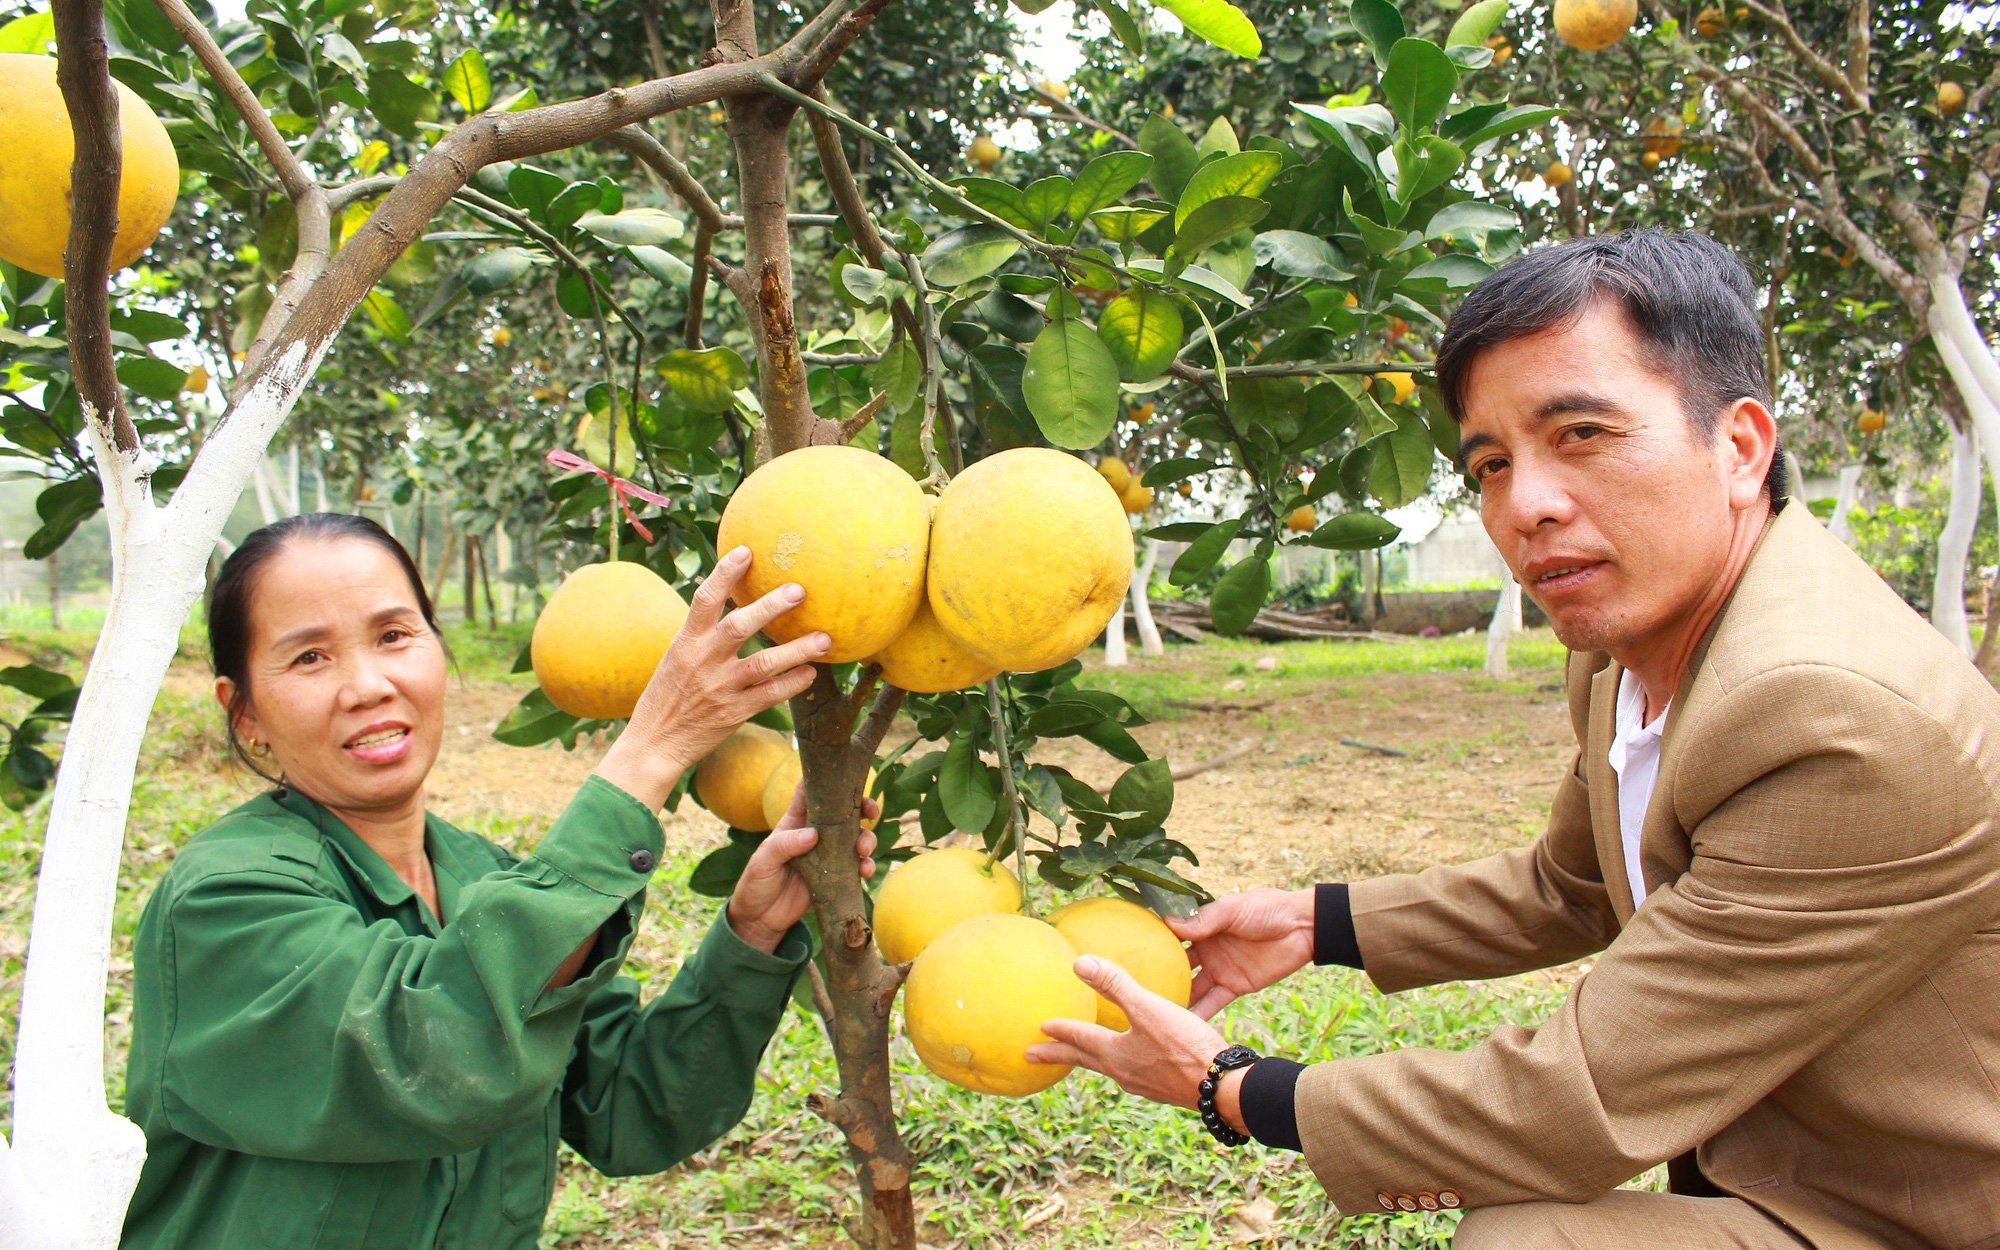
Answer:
x=299 y=1031
x=1836 y=851
x=650 y=1085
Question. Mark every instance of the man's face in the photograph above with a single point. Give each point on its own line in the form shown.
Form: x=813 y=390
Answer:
x=1611 y=510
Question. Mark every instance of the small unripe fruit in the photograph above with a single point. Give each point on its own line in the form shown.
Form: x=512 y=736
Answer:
x=1710 y=22
x=1950 y=98
x=196 y=381
x=1055 y=88
x=1557 y=174
x=1872 y=420
x=1651 y=160
x=500 y=336
x=1303 y=519
x=985 y=153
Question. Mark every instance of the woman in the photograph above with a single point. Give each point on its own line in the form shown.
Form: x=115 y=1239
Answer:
x=356 y=1026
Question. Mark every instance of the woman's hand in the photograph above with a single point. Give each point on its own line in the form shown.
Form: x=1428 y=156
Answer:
x=1244 y=942
x=702 y=692
x=771 y=896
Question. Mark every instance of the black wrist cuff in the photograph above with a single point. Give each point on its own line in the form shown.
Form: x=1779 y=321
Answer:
x=1333 y=928
x=1266 y=1098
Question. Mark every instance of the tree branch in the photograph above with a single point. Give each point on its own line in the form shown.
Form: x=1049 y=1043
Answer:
x=1077 y=115
x=881 y=715
x=1826 y=71
x=704 y=243
x=641 y=144
x=1314 y=368
x=83 y=72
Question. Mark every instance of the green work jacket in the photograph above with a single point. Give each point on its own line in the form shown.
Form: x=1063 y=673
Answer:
x=318 y=1062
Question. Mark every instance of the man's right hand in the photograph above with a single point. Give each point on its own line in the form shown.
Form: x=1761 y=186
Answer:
x=1244 y=942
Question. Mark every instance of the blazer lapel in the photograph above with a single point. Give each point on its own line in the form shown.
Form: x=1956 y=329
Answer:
x=1603 y=783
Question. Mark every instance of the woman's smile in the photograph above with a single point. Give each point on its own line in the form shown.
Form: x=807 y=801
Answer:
x=384 y=742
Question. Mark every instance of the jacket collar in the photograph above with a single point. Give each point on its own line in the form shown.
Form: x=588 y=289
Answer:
x=367 y=865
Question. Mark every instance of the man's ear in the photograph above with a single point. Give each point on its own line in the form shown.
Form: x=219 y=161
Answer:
x=1751 y=439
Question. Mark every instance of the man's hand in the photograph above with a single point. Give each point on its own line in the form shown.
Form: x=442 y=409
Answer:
x=771 y=896
x=1244 y=942
x=1163 y=1056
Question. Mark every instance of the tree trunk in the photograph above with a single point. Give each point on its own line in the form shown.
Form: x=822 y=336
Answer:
x=1843 y=503
x=503 y=545
x=1115 y=655
x=486 y=584
x=1955 y=540
x=1506 y=619
x=1988 y=659
x=450 y=546
x=260 y=481
x=55 y=591
x=1969 y=360
x=471 y=581
x=1142 y=607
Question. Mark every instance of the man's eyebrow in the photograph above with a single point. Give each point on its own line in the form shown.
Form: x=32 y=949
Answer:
x=1470 y=445
x=1561 y=405
x=311 y=633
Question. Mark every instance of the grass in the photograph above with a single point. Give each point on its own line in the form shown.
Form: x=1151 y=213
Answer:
x=992 y=1170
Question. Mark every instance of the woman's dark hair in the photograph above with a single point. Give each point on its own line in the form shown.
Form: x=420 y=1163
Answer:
x=229 y=598
x=1687 y=297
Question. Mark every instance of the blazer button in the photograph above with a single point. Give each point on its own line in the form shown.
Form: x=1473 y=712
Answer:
x=1387 y=1199
x=642 y=860
x=1449 y=1199
x=1428 y=1201
x=1406 y=1202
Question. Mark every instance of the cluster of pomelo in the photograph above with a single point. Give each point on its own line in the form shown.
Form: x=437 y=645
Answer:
x=985 y=976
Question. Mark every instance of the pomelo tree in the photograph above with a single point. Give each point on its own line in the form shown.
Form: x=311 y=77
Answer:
x=1245 y=288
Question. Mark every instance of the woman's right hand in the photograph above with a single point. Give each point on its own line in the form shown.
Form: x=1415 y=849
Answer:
x=702 y=692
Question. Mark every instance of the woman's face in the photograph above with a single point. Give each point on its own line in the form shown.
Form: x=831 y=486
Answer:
x=346 y=677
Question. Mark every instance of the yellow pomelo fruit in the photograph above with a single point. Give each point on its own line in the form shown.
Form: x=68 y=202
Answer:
x=1662 y=135
x=1303 y=518
x=1136 y=497
x=196 y=381
x=601 y=635
x=1054 y=87
x=1557 y=174
x=1872 y=420
x=1594 y=24
x=730 y=780
x=978 y=995
x=985 y=152
x=924 y=660
x=1115 y=472
x=784 y=782
x=1030 y=555
x=1404 y=386
x=1651 y=160
x=1133 y=938
x=1950 y=98
x=847 y=525
x=933 y=892
x=35 y=161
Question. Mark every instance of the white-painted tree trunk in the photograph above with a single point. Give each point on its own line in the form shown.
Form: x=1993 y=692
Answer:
x=267 y=503
x=1142 y=607
x=1115 y=654
x=1955 y=540
x=1843 y=503
x=73 y=1163
x=1506 y=619
x=503 y=555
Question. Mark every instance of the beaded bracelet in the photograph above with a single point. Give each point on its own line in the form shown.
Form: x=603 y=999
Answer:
x=1231 y=1057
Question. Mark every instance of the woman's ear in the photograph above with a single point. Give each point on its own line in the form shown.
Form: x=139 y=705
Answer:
x=242 y=724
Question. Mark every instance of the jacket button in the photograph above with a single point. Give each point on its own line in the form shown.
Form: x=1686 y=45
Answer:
x=1427 y=1200
x=1449 y=1199
x=1406 y=1202
x=642 y=860
x=1387 y=1199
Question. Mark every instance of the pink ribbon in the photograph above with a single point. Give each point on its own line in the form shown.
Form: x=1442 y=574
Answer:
x=621 y=488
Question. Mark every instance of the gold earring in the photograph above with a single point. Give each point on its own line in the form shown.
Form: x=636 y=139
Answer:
x=261 y=750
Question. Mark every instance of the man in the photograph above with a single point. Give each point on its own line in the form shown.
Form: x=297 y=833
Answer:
x=1779 y=831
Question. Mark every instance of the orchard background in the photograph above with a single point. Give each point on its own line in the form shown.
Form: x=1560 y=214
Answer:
x=673 y=240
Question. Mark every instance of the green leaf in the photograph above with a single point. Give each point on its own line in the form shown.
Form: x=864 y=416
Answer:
x=996 y=397
x=1180 y=468
x=1477 y=24
x=497 y=269
x=1418 y=83
x=1469 y=222
x=398 y=103
x=1239 y=595
x=573 y=295
x=1276 y=405
x=1146 y=788
x=1104 y=180
x=1123 y=25
x=1143 y=329
x=32 y=679
x=1108 y=736
x=1453 y=271
x=1215 y=221
x=1355 y=531
x=1380 y=239
x=1203 y=552
x=387 y=315
x=1219 y=22
x=1044 y=201
x=1124 y=224
x=648 y=227
x=372 y=154
x=1071 y=384
x=576 y=199
x=1173 y=154
x=965 y=786
x=706 y=380
x=468 y=82
x=1194 y=278
x=1246 y=173
x=900 y=373
x=863 y=285
x=1002 y=199
x=535 y=720
x=147 y=327
x=719 y=870
x=1423 y=166
x=1402 y=467
x=1510 y=121
x=1380 y=23
x=532 y=189
x=156 y=379
x=1218 y=140
x=1297 y=254
x=34 y=34
x=665 y=267
x=966 y=253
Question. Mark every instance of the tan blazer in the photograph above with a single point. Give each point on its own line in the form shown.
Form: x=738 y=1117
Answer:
x=1811 y=992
